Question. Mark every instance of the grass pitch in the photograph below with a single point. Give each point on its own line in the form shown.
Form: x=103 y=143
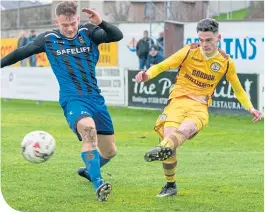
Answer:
x=220 y=170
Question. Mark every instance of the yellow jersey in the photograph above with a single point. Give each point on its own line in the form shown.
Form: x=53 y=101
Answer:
x=199 y=75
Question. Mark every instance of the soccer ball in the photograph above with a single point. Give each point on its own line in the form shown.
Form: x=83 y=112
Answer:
x=38 y=146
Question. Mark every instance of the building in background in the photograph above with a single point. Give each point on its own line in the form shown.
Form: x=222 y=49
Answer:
x=23 y=14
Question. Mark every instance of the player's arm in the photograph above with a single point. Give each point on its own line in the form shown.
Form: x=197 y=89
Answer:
x=101 y=31
x=34 y=47
x=106 y=33
x=240 y=93
x=174 y=61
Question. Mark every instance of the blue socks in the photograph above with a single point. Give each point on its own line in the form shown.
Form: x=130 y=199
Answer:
x=103 y=161
x=92 y=162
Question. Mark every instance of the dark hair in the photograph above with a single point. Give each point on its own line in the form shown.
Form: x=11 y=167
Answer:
x=208 y=25
x=67 y=8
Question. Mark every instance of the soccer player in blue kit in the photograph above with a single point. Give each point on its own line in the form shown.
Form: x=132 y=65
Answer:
x=72 y=51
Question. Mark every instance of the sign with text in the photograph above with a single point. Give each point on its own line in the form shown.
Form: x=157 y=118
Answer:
x=224 y=100
x=151 y=94
x=243 y=41
x=154 y=93
x=108 y=53
x=111 y=83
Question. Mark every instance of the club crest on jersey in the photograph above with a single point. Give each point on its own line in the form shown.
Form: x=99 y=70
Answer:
x=215 y=67
x=81 y=39
x=162 y=117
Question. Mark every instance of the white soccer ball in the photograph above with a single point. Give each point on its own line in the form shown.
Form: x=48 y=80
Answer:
x=38 y=146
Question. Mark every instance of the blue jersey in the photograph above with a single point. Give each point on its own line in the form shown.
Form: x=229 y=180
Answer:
x=73 y=61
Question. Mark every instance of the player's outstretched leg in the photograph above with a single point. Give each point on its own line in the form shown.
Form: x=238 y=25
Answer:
x=92 y=174
x=171 y=141
x=91 y=157
x=158 y=153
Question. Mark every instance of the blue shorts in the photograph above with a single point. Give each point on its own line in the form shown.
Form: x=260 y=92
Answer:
x=88 y=106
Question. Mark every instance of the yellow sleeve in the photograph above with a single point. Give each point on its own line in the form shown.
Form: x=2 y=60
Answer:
x=239 y=91
x=172 y=62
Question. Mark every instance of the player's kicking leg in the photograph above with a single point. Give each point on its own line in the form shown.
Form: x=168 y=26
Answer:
x=90 y=155
x=174 y=136
x=166 y=152
x=105 y=146
x=160 y=153
x=107 y=150
x=181 y=119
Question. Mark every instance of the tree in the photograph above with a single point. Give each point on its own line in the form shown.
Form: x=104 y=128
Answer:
x=119 y=11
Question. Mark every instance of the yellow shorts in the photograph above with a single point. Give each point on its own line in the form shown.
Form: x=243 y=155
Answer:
x=182 y=109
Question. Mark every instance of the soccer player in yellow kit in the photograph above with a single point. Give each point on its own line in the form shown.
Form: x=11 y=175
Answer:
x=201 y=67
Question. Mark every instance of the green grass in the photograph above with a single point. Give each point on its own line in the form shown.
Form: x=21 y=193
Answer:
x=236 y=15
x=220 y=170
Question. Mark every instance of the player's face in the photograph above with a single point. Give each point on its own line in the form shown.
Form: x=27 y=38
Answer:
x=209 y=41
x=68 y=25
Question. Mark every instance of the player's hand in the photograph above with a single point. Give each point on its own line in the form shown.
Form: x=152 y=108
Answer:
x=142 y=76
x=257 y=114
x=93 y=16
